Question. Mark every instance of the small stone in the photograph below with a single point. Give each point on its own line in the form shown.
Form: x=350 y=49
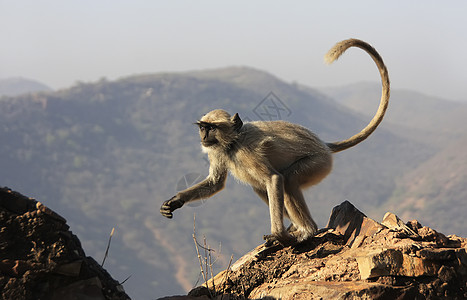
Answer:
x=414 y=225
x=432 y=235
x=42 y=208
x=392 y=221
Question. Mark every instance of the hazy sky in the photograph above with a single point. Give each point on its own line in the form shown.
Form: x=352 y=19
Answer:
x=59 y=42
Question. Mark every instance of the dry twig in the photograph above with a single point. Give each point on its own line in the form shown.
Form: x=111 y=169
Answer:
x=108 y=246
x=199 y=256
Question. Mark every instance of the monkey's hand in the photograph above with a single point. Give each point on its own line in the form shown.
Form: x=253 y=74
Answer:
x=170 y=205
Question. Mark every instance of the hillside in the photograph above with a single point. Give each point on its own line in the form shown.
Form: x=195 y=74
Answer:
x=436 y=189
x=107 y=154
x=411 y=114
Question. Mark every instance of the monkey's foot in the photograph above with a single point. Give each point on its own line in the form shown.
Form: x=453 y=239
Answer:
x=274 y=240
x=270 y=241
x=305 y=238
x=291 y=228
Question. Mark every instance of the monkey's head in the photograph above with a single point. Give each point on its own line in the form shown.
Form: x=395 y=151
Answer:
x=218 y=129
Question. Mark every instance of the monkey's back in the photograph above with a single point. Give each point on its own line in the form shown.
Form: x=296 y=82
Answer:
x=283 y=143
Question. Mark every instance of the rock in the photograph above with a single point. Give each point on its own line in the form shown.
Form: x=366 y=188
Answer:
x=41 y=259
x=392 y=221
x=393 y=262
x=347 y=220
x=355 y=258
x=70 y=269
x=334 y=290
x=457 y=241
x=259 y=252
x=44 y=209
x=414 y=225
x=430 y=234
x=89 y=289
x=199 y=292
x=15 y=202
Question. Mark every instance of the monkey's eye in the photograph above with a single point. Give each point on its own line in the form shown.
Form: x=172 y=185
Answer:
x=203 y=126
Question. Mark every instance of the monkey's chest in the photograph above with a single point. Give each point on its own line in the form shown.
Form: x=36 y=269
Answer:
x=248 y=173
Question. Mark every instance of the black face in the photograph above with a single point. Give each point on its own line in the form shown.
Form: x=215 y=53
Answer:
x=207 y=133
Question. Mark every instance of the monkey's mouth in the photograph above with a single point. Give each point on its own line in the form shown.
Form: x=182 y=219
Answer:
x=209 y=143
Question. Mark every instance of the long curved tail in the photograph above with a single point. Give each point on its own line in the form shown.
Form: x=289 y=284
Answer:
x=334 y=54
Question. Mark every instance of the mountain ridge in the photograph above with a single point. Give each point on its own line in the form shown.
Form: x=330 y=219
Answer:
x=18 y=85
x=407 y=109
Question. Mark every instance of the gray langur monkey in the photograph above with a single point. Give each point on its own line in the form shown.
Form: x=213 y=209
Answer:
x=277 y=158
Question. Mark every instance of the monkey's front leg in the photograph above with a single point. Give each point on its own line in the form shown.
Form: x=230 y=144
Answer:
x=206 y=188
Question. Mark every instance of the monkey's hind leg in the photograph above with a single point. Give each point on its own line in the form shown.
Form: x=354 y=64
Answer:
x=305 y=172
x=297 y=210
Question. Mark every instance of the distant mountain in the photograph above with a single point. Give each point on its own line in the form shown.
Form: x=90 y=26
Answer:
x=107 y=154
x=411 y=113
x=435 y=191
x=18 y=86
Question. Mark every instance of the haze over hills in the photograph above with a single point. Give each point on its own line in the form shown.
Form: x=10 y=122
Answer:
x=436 y=190
x=411 y=113
x=107 y=154
x=18 y=86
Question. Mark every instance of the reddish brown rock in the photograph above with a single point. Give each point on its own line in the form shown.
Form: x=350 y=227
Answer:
x=355 y=258
x=392 y=221
x=354 y=225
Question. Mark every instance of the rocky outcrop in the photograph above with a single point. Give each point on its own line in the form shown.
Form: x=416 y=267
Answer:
x=40 y=258
x=355 y=257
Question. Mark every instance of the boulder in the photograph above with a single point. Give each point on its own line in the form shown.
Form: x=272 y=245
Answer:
x=40 y=258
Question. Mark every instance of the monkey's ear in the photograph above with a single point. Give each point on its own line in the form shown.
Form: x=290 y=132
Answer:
x=237 y=122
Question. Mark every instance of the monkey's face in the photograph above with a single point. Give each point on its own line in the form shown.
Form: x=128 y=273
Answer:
x=208 y=133
x=217 y=128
